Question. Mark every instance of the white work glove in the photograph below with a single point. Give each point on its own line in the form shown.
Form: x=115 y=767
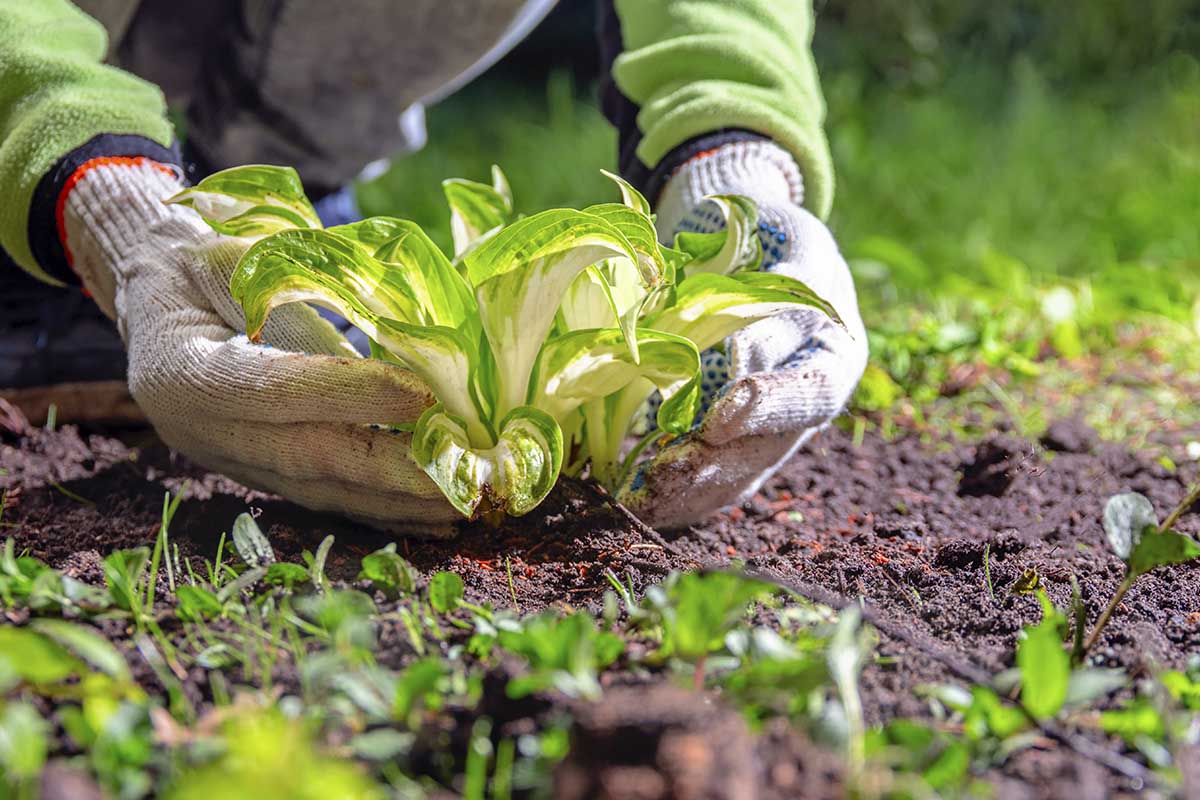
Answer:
x=289 y=416
x=780 y=380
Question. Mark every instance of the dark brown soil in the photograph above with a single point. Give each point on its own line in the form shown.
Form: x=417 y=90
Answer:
x=904 y=525
x=657 y=743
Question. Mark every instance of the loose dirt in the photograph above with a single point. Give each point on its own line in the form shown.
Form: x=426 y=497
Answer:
x=904 y=527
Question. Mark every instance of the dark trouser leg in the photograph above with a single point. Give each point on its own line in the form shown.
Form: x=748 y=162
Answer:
x=57 y=348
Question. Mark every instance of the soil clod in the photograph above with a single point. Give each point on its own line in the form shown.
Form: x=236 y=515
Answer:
x=1071 y=435
x=658 y=743
x=995 y=465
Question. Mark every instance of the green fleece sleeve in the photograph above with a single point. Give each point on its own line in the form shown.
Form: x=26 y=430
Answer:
x=56 y=95
x=699 y=66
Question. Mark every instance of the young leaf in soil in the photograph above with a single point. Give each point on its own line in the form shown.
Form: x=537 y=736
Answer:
x=1160 y=548
x=1135 y=722
x=388 y=572
x=564 y=653
x=420 y=686
x=1160 y=722
x=1184 y=686
x=250 y=542
x=87 y=644
x=28 y=582
x=1136 y=536
x=29 y=657
x=1045 y=666
x=286 y=574
x=123 y=573
x=316 y=564
x=1126 y=517
x=346 y=615
x=697 y=611
x=1092 y=684
x=24 y=743
x=267 y=755
x=780 y=682
x=542 y=339
x=849 y=649
x=445 y=591
x=195 y=603
x=911 y=748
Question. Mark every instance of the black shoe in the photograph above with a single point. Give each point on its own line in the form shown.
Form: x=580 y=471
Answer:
x=57 y=349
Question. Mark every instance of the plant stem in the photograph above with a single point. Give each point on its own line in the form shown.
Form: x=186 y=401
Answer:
x=215 y=572
x=1180 y=509
x=1079 y=612
x=502 y=777
x=511 y=589
x=1108 y=612
x=698 y=675
x=987 y=572
x=493 y=517
x=1172 y=518
x=156 y=554
x=479 y=752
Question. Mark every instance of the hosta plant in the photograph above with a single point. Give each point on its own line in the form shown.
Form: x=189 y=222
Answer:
x=540 y=339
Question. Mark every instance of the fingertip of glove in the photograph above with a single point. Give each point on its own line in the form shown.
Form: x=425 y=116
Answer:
x=730 y=409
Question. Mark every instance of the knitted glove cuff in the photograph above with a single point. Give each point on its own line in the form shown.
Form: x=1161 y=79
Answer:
x=106 y=211
x=760 y=170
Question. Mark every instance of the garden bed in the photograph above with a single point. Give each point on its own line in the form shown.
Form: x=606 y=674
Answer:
x=931 y=535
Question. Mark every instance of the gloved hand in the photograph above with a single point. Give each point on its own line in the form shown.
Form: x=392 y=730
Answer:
x=289 y=416
x=780 y=380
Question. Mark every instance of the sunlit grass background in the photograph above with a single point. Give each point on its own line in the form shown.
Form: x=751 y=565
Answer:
x=1021 y=216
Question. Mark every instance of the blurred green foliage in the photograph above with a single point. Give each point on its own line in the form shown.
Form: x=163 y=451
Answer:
x=550 y=139
x=999 y=179
x=922 y=42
